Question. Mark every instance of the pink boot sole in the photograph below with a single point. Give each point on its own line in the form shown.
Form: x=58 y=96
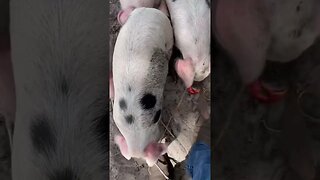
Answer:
x=193 y=91
x=265 y=93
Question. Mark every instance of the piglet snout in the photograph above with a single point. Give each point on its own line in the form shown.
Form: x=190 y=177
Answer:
x=153 y=151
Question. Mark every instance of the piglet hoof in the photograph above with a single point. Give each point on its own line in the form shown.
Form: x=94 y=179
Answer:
x=266 y=93
x=193 y=91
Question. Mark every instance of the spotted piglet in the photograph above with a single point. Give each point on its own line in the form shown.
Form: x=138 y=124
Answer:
x=191 y=24
x=140 y=68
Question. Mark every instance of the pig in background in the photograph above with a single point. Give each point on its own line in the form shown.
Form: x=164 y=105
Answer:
x=140 y=68
x=191 y=24
x=59 y=57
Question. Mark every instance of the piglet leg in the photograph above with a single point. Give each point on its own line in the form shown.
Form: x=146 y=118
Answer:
x=185 y=71
x=123 y=15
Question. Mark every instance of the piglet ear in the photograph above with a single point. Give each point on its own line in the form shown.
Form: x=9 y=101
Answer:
x=153 y=152
x=123 y=15
x=122 y=144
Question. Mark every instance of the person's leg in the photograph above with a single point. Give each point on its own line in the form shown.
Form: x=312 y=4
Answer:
x=199 y=158
x=199 y=161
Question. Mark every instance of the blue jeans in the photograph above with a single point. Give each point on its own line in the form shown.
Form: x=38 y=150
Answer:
x=199 y=161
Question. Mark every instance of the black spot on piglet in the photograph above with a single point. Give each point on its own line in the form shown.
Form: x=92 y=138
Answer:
x=42 y=135
x=148 y=101
x=64 y=174
x=157 y=117
x=129 y=119
x=123 y=104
